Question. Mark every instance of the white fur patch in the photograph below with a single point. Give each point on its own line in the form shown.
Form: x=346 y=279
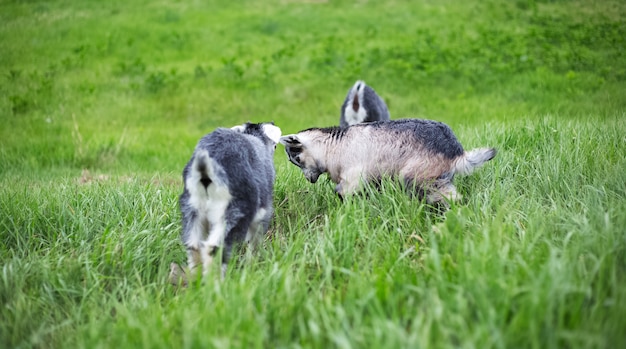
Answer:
x=356 y=117
x=473 y=159
x=255 y=228
x=273 y=132
x=261 y=213
x=211 y=204
x=216 y=213
x=196 y=235
x=238 y=128
x=352 y=117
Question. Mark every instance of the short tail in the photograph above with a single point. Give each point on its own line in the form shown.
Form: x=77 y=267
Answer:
x=203 y=169
x=470 y=160
x=352 y=110
x=357 y=95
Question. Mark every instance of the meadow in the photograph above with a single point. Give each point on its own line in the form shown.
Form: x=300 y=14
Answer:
x=102 y=103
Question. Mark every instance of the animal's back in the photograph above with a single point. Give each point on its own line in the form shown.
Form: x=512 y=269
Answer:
x=373 y=102
x=246 y=166
x=406 y=135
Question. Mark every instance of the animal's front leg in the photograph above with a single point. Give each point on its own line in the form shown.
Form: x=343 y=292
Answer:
x=349 y=183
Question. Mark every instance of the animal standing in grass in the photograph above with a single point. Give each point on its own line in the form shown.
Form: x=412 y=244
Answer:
x=423 y=153
x=362 y=104
x=228 y=193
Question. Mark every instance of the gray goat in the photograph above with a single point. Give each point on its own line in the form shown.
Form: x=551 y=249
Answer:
x=424 y=153
x=362 y=104
x=228 y=193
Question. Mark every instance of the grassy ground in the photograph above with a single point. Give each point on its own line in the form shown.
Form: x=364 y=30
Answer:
x=101 y=104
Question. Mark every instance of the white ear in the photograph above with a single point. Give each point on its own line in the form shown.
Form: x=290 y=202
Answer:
x=239 y=128
x=291 y=141
x=273 y=132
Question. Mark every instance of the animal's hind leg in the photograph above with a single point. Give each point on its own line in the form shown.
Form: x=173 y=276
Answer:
x=218 y=232
x=237 y=227
x=194 y=227
x=257 y=230
x=208 y=253
x=259 y=226
x=226 y=251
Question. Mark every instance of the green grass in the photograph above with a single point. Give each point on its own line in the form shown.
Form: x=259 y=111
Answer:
x=101 y=104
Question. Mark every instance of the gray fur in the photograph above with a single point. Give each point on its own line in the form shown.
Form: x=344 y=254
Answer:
x=421 y=152
x=362 y=104
x=228 y=192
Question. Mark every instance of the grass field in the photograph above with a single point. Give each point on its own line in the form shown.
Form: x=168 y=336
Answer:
x=102 y=103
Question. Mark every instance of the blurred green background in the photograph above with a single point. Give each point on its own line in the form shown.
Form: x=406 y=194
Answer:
x=129 y=86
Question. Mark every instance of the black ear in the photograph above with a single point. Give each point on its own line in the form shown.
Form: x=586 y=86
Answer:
x=291 y=141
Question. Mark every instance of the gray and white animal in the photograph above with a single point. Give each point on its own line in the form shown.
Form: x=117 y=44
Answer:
x=228 y=193
x=362 y=104
x=423 y=153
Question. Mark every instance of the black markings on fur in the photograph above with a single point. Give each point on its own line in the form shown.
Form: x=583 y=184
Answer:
x=245 y=166
x=257 y=131
x=335 y=132
x=355 y=100
x=213 y=251
x=363 y=98
x=318 y=166
x=202 y=168
x=477 y=160
x=206 y=181
x=293 y=142
x=294 y=155
x=435 y=136
x=492 y=154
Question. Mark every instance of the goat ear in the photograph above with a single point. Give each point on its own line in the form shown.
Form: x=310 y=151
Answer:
x=273 y=132
x=291 y=141
x=239 y=128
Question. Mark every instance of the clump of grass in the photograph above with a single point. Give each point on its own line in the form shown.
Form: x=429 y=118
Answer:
x=533 y=256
